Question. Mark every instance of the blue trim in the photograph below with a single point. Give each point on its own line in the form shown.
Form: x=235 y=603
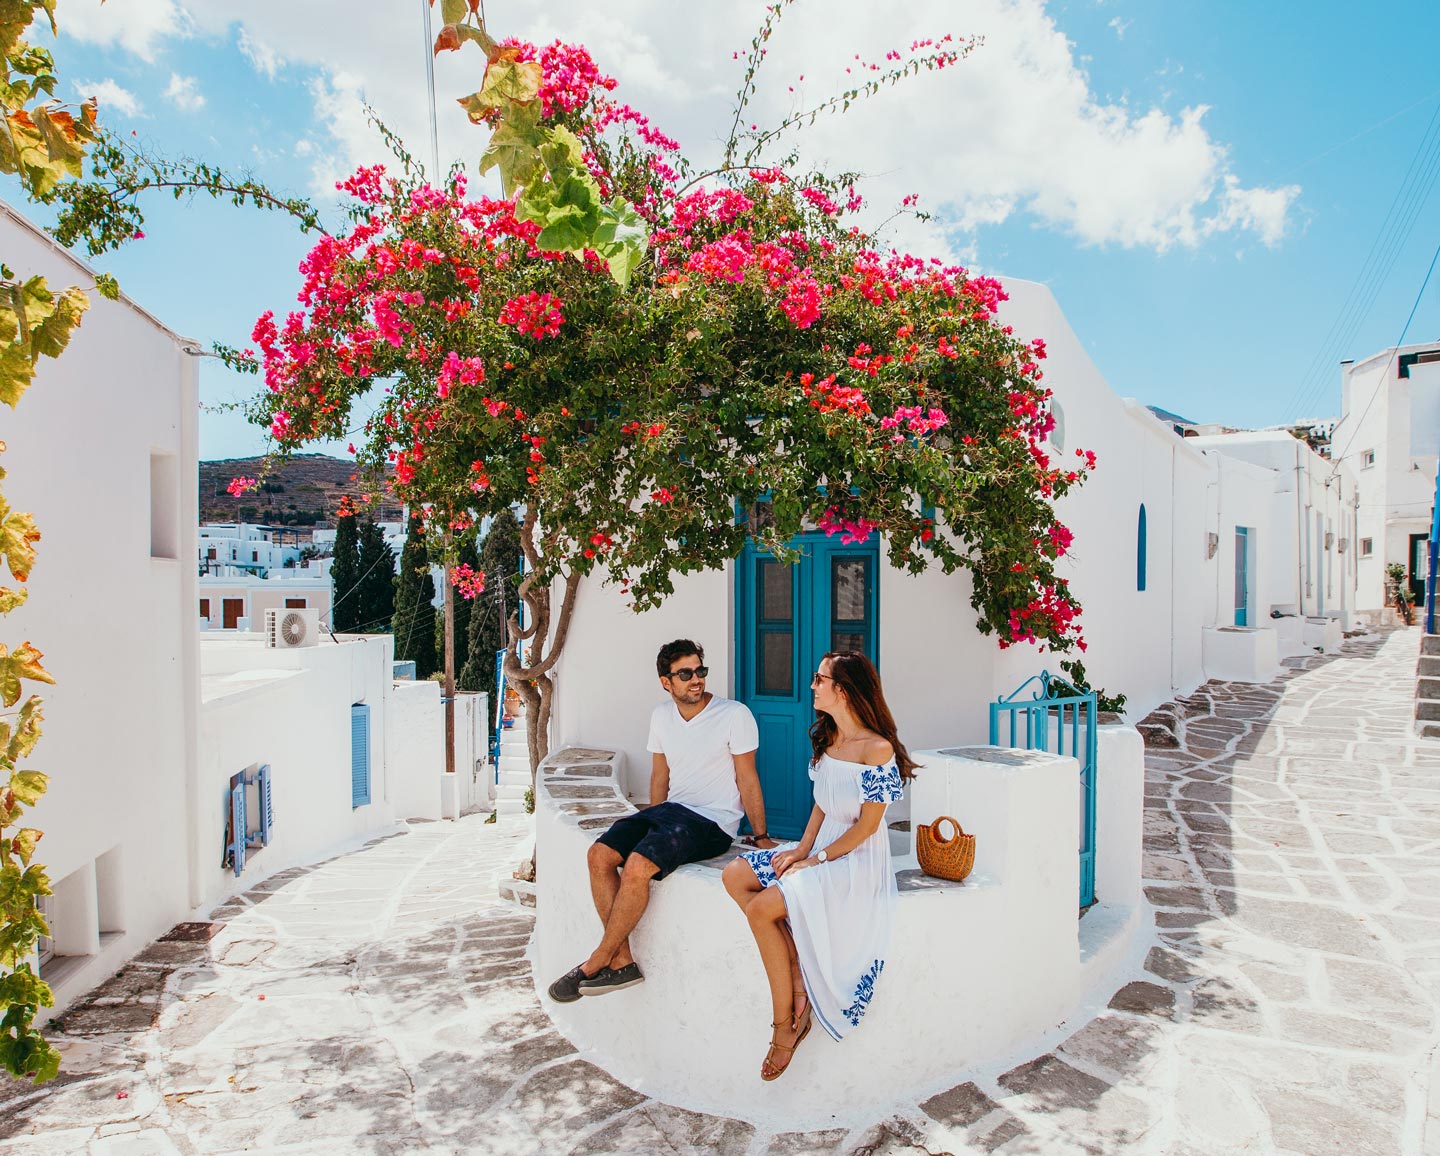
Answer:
x=359 y=755
x=1141 y=549
x=1046 y=705
x=1242 y=576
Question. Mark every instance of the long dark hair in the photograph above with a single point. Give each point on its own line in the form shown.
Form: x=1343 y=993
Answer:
x=857 y=679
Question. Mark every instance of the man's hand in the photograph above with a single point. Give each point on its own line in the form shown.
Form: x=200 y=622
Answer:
x=764 y=843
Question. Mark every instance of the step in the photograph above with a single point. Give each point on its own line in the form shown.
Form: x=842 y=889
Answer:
x=1428 y=730
x=514 y=761
x=1427 y=688
x=510 y=806
x=1429 y=666
x=511 y=790
x=1427 y=710
x=1430 y=644
x=514 y=778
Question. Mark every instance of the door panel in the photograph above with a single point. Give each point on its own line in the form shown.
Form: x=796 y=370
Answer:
x=787 y=618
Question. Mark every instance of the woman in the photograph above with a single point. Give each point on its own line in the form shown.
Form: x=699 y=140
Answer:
x=823 y=928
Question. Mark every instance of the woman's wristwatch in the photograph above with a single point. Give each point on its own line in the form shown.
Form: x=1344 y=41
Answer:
x=821 y=856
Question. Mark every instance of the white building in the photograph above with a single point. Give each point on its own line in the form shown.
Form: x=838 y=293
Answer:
x=237 y=601
x=112 y=607
x=394 y=533
x=1154 y=565
x=1387 y=436
x=229 y=546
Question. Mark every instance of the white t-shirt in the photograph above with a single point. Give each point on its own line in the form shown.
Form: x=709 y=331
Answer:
x=701 y=754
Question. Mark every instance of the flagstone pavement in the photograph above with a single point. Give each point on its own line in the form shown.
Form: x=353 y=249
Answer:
x=381 y=1002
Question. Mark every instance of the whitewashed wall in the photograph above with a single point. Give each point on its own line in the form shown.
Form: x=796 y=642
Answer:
x=119 y=411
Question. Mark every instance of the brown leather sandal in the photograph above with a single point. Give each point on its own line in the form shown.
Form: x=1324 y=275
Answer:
x=769 y=1071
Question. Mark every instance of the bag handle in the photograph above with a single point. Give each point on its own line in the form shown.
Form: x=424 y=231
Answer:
x=935 y=829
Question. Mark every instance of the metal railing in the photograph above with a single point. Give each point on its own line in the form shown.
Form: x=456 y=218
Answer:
x=1055 y=709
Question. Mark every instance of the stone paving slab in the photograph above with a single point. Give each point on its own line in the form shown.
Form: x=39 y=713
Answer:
x=382 y=1002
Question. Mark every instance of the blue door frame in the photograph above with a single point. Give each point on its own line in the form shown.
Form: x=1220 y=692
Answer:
x=1242 y=576
x=786 y=618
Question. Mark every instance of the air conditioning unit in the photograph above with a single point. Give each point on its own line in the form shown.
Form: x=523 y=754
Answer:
x=289 y=628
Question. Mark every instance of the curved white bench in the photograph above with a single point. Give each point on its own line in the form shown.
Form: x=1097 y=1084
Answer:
x=979 y=974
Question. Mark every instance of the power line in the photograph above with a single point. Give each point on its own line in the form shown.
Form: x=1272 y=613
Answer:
x=1409 y=199
x=1383 y=382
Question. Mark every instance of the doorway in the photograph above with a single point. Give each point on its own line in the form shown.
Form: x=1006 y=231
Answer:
x=1419 y=566
x=787 y=618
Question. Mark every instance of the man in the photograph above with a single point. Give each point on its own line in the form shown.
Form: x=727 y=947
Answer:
x=702 y=775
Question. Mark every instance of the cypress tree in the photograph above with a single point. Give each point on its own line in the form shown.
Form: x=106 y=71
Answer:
x=377 y=579
x=462 y=616
x=500 y=563
x=414 y=617
x=345 y=572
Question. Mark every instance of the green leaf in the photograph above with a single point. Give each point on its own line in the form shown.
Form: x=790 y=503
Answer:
x=27 y=731
x=23 y=662
x=24 y=841
x=514 y=147
x=507 y=81
x=52 y=335
x=107 y=286
x=562 y=152
x=18 y=536
x=453 y=11
x=29 y=786
x=622 y=238
x=480 y=36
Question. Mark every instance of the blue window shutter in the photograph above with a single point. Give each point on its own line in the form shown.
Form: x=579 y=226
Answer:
x=1140 y=548
x=267 y=808
x=359 y=754
x=237 y=824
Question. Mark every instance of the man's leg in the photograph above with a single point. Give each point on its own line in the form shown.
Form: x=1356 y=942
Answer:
x=631 y=898
x=604 y=862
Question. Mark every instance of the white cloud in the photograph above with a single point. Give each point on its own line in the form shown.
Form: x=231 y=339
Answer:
x=138 y=26
x=1014 y=131
x=111 y=97
x=184 y=92
x=264 y=59
x=1119 y=26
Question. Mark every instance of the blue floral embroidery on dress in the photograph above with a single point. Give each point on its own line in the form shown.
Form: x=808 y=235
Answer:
x=760 y=862
x=881 y=784
x=864 y=992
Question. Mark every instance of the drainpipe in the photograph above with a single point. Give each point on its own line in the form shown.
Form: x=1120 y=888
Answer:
x=1174 y=545
x=1299 y=540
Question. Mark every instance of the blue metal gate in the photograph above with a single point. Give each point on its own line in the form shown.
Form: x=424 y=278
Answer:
x=1071 y=719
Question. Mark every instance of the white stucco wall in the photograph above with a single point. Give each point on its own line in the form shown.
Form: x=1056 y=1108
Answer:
x=114 y=617
x=291 y=709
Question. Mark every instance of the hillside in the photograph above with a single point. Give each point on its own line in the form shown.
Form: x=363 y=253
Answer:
x=299 y=492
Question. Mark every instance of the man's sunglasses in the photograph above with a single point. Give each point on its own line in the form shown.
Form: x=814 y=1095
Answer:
x=689 y=672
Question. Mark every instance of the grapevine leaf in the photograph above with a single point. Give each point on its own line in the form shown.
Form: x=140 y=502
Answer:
x=453 y=11
x=622 y=239
x=18 y=536
x=23 y=843
x=29 y=786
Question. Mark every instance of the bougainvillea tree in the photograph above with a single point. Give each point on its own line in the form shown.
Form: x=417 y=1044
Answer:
x=765 y=368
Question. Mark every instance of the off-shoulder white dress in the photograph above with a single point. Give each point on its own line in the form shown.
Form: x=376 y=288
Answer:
x=841 y=912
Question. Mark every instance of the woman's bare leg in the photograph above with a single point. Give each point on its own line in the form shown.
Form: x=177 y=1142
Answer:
x=740 y=882
x=766 y=913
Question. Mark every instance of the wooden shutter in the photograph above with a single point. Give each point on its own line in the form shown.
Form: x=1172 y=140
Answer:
x=231 y=610
x=294 y=604
x=204 y=608
x=359 y=754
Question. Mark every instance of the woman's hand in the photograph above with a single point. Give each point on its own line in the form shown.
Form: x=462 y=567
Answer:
x=794 y=861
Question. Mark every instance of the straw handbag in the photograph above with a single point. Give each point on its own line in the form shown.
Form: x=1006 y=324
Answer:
x=951 y=858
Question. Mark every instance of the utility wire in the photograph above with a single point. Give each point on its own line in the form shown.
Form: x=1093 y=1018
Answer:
x=1405 y=206
x=1383 y=382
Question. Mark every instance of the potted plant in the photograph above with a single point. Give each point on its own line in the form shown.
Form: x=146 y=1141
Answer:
x=1399 y=590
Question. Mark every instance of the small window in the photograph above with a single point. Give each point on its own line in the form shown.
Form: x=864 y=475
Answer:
x=254 y=555
x=1367 y=547
x=164 y=507
x=359 y=754
x=294 y=604
x=204 y=608
x=1367 y=459
x=1140 y=550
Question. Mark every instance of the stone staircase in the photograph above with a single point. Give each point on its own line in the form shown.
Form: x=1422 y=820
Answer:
x=1427 y=688
x=514 y=769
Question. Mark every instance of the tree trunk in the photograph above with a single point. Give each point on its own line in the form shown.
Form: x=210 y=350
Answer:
x=449 y=675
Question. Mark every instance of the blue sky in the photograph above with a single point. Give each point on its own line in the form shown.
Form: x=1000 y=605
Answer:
x=1199 y=184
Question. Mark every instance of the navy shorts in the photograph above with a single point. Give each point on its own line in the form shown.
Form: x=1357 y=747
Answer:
x=669 y=835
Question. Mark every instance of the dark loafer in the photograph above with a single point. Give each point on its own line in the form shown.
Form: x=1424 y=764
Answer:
x=566 y=989
x=609 y=979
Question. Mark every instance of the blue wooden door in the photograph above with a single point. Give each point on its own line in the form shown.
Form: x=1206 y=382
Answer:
x=786 y=619
x=1242 y=576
